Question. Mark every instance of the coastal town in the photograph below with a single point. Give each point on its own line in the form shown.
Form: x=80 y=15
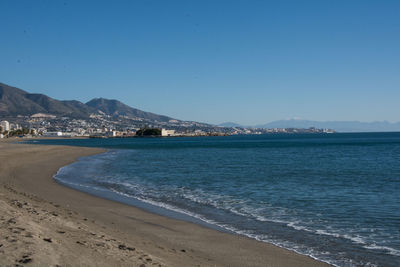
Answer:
x=104 y=126
x=24 y=114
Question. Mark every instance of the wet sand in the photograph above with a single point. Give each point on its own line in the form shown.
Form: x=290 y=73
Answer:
x=43 y=223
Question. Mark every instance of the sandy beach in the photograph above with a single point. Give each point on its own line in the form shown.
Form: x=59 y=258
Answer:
x=43 y=223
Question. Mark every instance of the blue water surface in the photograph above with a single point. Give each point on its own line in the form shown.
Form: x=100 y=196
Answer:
x=334 y=197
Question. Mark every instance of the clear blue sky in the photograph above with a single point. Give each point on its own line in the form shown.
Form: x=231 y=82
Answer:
x=212 y=61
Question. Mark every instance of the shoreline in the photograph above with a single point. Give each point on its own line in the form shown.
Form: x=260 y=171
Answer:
x=135 y=237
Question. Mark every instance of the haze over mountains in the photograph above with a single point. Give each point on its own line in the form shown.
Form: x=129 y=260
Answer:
x=339 y=126
x=17 y=102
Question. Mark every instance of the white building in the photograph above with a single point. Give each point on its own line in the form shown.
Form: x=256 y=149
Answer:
x=165 y=132
x=5 y=125
x=53 y=134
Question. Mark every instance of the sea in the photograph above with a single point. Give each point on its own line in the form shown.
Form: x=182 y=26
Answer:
x=334 y=197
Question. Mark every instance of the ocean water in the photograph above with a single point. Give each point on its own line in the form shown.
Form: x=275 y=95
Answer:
x=334 y=197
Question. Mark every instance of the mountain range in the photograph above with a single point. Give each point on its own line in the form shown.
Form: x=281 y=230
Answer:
x=16 y=102
x=339 y=126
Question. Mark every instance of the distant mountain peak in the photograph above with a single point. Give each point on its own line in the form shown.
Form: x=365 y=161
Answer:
x=340 y=126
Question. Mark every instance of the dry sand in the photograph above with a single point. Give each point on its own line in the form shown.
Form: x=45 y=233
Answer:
x=43 y=223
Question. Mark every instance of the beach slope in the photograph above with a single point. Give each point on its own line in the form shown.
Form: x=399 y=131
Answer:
x=44 y=223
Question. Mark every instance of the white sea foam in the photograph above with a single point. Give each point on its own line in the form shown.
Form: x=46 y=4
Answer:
x=63 y=181
x=391 y=251
x=237 y=206
x=318 y=255
x=240 y=207
x=287 y=245
x=322 y=256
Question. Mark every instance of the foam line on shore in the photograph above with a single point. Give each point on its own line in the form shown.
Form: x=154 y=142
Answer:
x=28 y=170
